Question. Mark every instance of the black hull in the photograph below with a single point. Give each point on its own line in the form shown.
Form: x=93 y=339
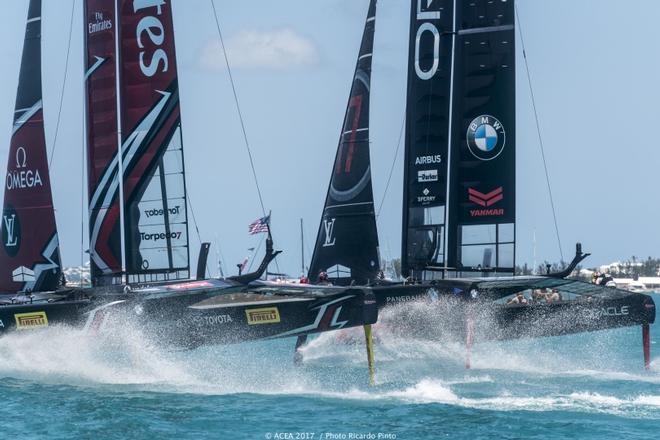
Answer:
x=569 y=317
x=446 y=310
x=39 y=315
x=180 y=321
x=217 y=313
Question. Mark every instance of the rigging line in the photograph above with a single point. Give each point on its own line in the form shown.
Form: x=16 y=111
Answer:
x=389 y=178
x=83 y=205
x=220 y=256
x=240 y=117
x=66 y=70
x=538 y=132
x=238 y=108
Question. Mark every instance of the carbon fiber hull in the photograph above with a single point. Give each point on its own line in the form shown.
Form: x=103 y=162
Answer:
x=194 y=314
x=448 y=309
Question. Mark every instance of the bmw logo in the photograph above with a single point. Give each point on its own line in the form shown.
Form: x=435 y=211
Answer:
x=486 y=137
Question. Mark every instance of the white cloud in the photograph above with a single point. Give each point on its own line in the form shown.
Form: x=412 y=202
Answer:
x=278 y=49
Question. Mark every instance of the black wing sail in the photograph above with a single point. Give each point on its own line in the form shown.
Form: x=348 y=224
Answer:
x=482 y=171
x=428 y=112
x=347 y=241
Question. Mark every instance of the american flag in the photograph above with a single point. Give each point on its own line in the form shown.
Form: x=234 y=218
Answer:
x=259 y=225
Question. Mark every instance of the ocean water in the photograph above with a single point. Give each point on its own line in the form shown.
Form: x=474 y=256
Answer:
x=60 y=384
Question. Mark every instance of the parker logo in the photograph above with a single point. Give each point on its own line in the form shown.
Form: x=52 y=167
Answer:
x=427 y=176
x=267 y=315
x=31 y=320
x=486 y=200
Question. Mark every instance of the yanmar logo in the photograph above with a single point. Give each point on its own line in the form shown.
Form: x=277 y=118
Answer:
x=31 y=320
x=268 y=315
x=486 y=200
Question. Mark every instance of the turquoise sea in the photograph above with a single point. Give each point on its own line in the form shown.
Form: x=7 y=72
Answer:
x=59 y=384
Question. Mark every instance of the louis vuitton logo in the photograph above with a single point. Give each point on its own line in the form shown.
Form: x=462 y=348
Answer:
x=329 y=226
x=10 y=221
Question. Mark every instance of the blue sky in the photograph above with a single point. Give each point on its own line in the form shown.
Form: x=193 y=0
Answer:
x=594 y=68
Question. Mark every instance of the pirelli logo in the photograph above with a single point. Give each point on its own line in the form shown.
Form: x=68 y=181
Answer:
x=31 y=320
x=268 y=315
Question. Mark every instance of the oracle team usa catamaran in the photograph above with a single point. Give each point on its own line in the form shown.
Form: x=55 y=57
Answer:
x=459 y=210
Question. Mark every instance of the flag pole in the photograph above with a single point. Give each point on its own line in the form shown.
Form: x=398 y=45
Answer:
x=270 y=237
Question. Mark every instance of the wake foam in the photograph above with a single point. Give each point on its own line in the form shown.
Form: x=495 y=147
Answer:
x=557 y=374
x=69 y=355
x=608 y=355
x=431 y=391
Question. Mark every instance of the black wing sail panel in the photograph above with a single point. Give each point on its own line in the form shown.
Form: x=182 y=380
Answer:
x=347 y=241
x=427 y=135
x=30 y=253
x=482 y=189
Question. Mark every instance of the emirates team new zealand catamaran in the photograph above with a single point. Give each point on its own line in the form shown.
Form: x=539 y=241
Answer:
x=139 y=247
x=459 y=192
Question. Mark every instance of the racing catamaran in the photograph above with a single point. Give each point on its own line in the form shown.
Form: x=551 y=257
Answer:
x=139 y=245
x=459 y=193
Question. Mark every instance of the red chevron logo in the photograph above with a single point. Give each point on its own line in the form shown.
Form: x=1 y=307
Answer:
x=488 y=199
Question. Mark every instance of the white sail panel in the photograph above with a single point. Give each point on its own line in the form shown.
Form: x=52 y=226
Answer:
x=163 y=223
